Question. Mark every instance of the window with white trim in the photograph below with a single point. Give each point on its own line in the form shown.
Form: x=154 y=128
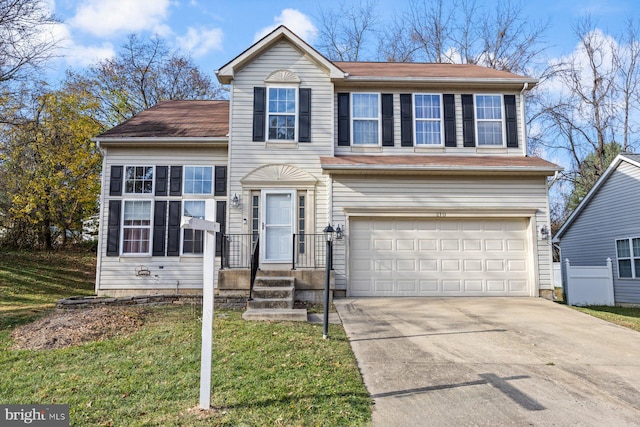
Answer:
x=136 y=227
x=628 y=252
x=489 y=120
x=138 y=180
x=193 y=240
x=427 y=118
x=281 y=110
x=365 y=118
x=198 y=180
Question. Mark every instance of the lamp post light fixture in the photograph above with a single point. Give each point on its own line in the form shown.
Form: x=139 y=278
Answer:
x=328 y=233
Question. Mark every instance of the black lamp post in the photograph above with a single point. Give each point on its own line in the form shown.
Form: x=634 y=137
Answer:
x=328 y=232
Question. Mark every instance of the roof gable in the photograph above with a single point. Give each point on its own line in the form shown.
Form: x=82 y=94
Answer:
x=226 y=73
x=632 y=159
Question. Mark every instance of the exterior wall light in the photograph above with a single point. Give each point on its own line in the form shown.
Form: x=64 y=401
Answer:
x=235 y=202
x=544 y=232
x=339 y=232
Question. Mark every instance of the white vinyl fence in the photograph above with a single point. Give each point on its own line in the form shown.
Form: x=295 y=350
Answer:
x=591 y=285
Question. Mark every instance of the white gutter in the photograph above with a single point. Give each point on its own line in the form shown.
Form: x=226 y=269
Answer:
x=441 y=168
x=525 y=142
x=461 y=80
x=153 y=139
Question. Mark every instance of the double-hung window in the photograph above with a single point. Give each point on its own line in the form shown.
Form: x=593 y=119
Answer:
x=193 y=240
x=138 y=180
x=198 y=180
x=428 y=119
x=136 y=227
x=365 y=118
x=489 y=120
x=281 y=110
x=628 y=252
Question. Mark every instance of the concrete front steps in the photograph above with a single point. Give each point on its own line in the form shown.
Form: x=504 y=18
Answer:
x=273 y=300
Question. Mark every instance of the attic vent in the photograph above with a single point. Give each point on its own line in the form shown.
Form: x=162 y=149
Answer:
x=282 y=76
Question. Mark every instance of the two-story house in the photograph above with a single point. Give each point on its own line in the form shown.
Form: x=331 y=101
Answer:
x=424 y=167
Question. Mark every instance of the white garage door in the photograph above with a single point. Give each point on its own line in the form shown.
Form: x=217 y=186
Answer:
x=449 y=257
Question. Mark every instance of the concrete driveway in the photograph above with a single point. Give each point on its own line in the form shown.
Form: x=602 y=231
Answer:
x=492 y=361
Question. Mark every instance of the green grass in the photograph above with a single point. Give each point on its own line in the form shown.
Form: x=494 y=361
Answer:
x=280 y=374
x=31 y=282
x=628 y=317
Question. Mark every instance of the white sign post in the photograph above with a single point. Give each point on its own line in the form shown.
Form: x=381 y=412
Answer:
x=208 y=270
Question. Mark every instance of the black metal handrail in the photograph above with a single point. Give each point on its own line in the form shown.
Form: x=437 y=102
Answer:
x=255 y=261
x=308 y=251
x=237 y=250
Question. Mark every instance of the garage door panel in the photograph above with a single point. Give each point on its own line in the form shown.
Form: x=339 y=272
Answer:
x=415 y=257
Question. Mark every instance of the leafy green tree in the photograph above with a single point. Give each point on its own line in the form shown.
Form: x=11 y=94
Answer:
x=50 y=171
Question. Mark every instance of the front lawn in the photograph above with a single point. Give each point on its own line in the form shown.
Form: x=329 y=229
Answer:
x=628 y=317
x=281 y=373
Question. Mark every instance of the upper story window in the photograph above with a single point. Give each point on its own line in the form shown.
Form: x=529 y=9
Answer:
x=281 y=113
x=365 y=118
x=489 y=123
x=138 y=180
x=628 y=252
x=428 y=119
x=136 y=227
x=198 y=179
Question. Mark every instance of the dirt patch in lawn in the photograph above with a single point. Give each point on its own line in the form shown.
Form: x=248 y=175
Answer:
x=74 y=327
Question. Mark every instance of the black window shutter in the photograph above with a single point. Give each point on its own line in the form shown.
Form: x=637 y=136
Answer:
x=387 y=120
x=162 y=177
x=511 y=120
x=259 y=112
x=304 y=115
x=115 y=183
x=113 y=228
x=221 y=218
x=449 y=105
x=220 y=185
x=173 y=234
x=159 y=227
x=175 y=183
x=406 y=120
x=344 y=133
x=468 y=125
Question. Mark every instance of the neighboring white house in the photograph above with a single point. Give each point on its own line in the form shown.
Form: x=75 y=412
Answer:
x=423 y=166
x=606 y=225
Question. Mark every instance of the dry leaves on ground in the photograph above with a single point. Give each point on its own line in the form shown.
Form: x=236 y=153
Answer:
x=68 y=328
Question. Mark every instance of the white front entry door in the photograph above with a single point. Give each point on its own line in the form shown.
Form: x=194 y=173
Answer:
x=277 y=225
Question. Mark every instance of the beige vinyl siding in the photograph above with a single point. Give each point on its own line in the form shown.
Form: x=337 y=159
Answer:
x=247 y=155
x=429 y=196
x=611 y=214
x=459 y=149
x=119 y=272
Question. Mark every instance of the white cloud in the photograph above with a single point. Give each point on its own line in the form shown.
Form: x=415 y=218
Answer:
x=200 y=41
x=76 y=54
x=106 y=17
x=296 y=21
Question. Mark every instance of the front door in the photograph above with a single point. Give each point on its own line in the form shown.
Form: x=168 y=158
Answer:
x=277 y=225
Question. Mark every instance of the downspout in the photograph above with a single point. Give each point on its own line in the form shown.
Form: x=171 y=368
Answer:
x=525 y=141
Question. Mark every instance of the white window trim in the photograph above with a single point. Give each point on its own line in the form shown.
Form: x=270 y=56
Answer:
x=295 y=113
x=153 y=181
x=378 y=119
x=122 y=227
x=502 y=120
x=415 y=120
x=184 y=179
x=634 y=274
x=182 y=230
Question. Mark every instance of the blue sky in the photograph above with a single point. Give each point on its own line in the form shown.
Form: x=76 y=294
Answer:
x=214 y=32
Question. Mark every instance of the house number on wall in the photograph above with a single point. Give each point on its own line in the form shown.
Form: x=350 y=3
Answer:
x=441 y=214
